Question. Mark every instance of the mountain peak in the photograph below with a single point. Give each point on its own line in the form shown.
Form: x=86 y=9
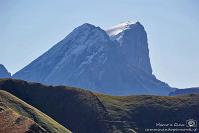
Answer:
x=84 y=27
x=4 y=72
x=90 y=57
x=87 y=25
x=84 y=30
x=1 y=65
x=115 y=30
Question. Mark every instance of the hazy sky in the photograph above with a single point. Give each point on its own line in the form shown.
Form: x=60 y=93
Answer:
x=28 y=28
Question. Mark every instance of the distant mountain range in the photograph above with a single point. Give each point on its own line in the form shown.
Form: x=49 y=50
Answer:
x=113 y=61
x=4 y=72
x=194 y=90
x=83 y=111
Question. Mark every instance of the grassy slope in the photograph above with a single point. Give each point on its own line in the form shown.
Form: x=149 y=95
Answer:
x=140 y=112
x=12 y=122
x=19 y=109
x=86 y=112
x=78 y=110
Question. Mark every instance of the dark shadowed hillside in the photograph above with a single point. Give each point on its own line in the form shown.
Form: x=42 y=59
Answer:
x=82 y=111
x=77 y=109
x=18 y=117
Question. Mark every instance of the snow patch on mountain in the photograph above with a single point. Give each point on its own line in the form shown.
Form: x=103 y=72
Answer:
x=115 y=30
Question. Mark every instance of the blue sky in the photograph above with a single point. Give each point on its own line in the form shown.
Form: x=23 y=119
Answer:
x=28 y=28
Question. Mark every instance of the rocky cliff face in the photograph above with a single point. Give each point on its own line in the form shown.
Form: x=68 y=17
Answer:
x=3 y=72
x=115 y=61
x=132 y=39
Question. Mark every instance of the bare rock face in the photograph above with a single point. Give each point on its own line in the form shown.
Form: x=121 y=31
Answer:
x=114 y=61
x=132 y=39
x=3 y=72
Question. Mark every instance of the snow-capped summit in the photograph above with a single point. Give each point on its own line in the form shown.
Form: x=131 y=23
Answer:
x=115 y=30
x=4 y=72
x=115 y=61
